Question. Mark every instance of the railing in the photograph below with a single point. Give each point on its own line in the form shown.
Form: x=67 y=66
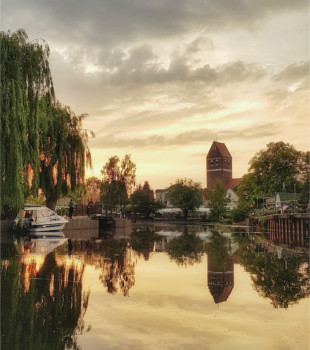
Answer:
x=92 y=209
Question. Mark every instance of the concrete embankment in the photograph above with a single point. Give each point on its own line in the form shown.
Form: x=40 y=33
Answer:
x=81 y=227
x=84 y=227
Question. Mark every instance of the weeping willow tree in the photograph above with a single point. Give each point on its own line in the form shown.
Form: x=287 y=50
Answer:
x=64 y=152
x=42 y=143
x=25 y=78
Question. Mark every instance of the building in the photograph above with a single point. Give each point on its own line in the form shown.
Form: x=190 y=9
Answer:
x=280 y=200
x=162 y=197
x=219 y=166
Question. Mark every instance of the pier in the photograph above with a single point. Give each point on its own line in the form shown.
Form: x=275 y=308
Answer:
x=291 y=229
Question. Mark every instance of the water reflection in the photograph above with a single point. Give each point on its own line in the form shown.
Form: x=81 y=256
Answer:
x=42 y=300
x=279 y=274
x=186 y=249
x=144 y=242
x=220 y=267
x=113 y=258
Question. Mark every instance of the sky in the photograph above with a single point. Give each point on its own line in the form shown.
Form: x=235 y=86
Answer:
x=161 y=80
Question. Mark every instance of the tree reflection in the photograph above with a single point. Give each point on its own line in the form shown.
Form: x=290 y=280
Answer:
x=48 y=312
x=143 y=242
x=186 y=249
x=284 y=280
x=113 y=258
x=118 y=269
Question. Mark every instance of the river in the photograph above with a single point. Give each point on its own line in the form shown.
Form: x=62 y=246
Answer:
x=159 y=287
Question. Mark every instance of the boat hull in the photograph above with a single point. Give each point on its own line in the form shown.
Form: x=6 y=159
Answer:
x=52 y=227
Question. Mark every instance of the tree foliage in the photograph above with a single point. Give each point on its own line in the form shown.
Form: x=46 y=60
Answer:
x=118 y=180
x=142 y=201
x=42 y=143
x=186 y=195
x=283 y=280
x=279 y=165
x=52 y=306
x=217 y=201
x=186 y=250
x=25 y=79
x=93 y=188
x=240 y=212
x=64 y=153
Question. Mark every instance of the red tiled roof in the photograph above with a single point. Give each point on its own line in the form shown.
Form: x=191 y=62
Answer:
x=222 y=148
x=221 y=293
x=234 y=182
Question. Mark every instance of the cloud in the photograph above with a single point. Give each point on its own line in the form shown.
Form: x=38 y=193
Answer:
x=159 y=74
x=185 y=138
x=200 y=43
x=277 y=96
x=294 y=72
x=104 y=22
x=143 y=70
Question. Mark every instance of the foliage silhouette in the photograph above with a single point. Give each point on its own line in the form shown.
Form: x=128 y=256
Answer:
x=186 y=249
x=44 y=310
x=283 y=280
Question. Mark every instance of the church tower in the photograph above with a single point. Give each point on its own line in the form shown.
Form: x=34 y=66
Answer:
x=219 y=165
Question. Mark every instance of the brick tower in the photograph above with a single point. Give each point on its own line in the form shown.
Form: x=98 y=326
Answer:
x=219 y=165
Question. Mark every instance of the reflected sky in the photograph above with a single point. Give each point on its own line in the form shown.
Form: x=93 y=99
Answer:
x=170 y=307
x=158 y=295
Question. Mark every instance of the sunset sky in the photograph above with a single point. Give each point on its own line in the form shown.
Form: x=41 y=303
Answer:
x=161 y=80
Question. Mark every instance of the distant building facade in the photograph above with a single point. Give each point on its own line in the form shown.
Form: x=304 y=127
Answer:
x=162 y=197
x=219 y=166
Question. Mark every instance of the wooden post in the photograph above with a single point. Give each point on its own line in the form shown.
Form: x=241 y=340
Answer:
x=302 y=230
x=287 y=231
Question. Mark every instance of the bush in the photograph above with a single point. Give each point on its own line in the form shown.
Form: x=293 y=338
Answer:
x=240 y=213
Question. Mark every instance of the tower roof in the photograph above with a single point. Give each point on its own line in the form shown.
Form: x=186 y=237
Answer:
x=221 y=148
x=220 y=293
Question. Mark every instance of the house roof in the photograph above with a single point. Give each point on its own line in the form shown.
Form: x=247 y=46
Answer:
x=161 y=190
x=284 y=197
x=234 y=182
x=222 y=149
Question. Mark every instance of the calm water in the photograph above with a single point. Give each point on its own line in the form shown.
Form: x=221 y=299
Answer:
x=160 y=287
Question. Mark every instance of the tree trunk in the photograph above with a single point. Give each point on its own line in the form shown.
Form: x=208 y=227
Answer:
x=185 y=211
x=51 y=202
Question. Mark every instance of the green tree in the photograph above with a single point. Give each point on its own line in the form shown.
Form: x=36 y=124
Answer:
x=217 y=201
x=64 y=153
x=93 y=188
x=277 y=165
x=186 y=195
x=25 y=80
x=240 y=212
x=118 y=180
x=43 y=144
x=142 y=201
x=305 y=179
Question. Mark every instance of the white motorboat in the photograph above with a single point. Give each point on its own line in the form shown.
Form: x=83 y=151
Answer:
x=39 y=220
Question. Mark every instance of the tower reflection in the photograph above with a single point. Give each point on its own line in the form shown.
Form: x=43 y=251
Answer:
x=220 y=267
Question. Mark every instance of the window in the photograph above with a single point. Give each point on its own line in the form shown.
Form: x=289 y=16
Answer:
x=27 y=214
